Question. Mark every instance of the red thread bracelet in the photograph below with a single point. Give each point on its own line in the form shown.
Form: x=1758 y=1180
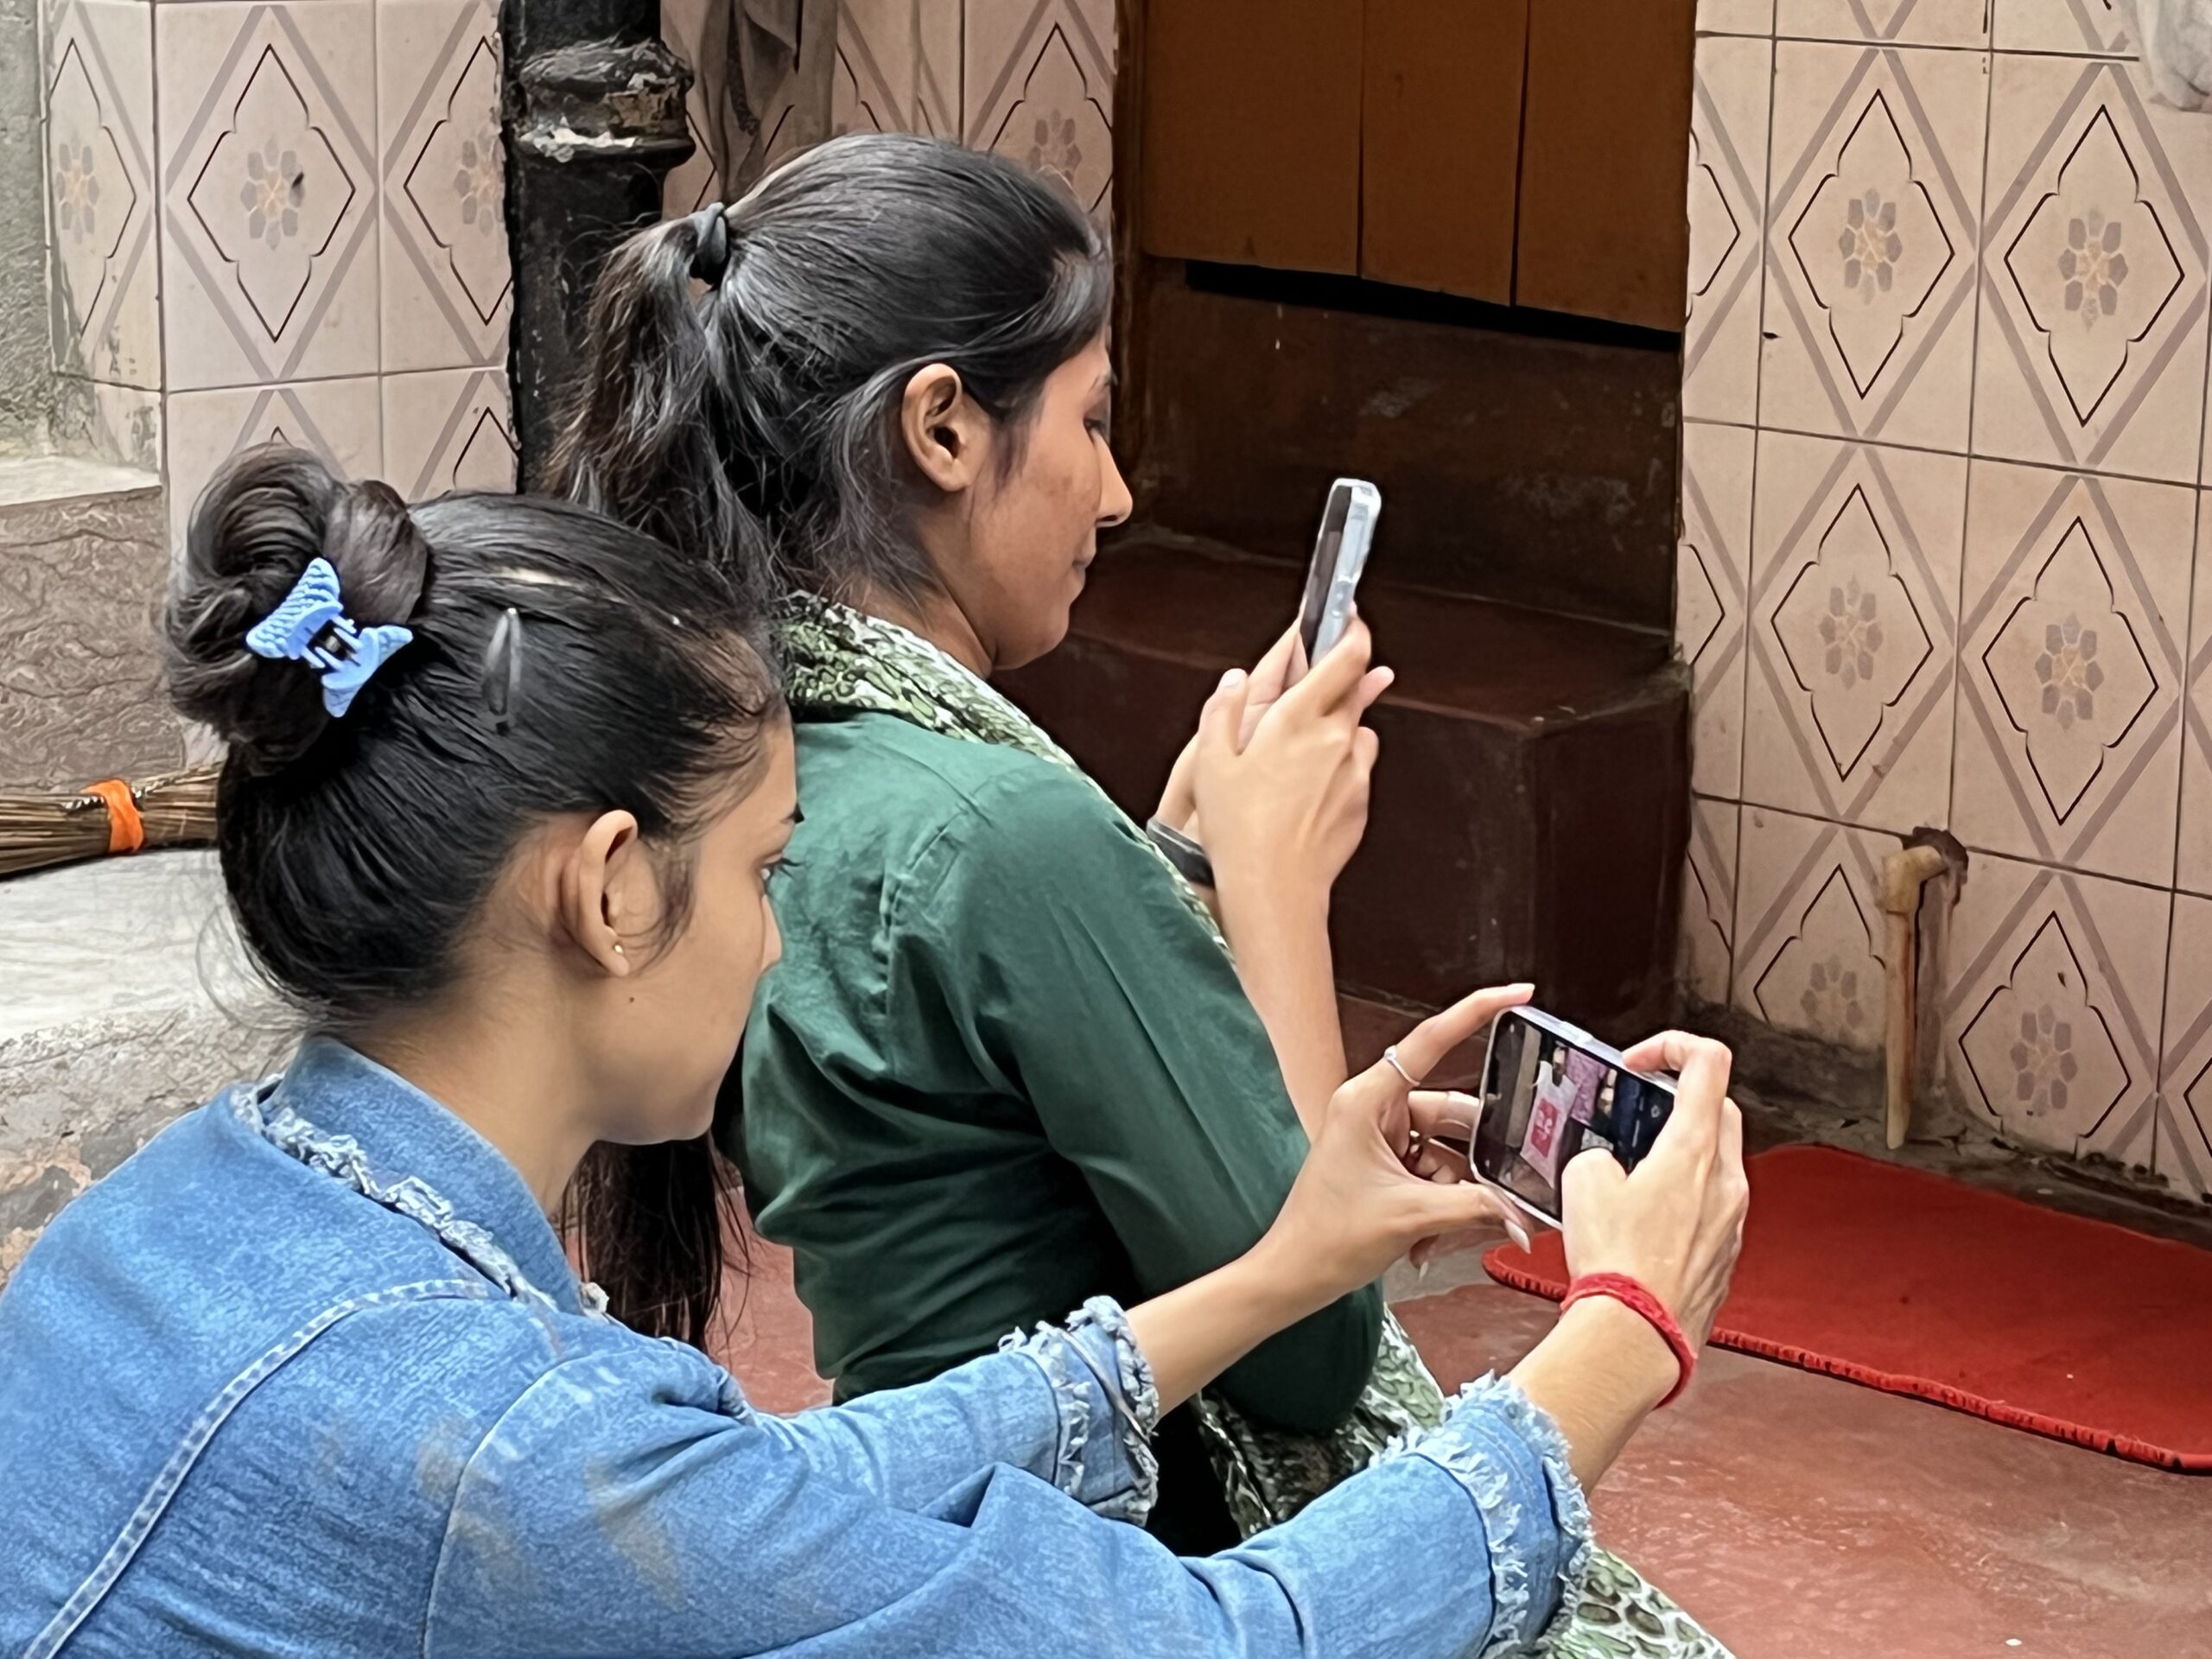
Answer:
x=1619 y=1287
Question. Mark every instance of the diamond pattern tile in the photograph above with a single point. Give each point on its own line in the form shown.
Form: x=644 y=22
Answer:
x=1808 y=927
x=2076 y=27
x=2051 y=1007
x=876 y=86
x=338 y=420
x=446 y=282
x=2070 y=670
x=452 y=430
x=1874 y=217
x=99 y=89
x=1855 y=580
x=1712 y=572
x=937 y=106
x=1709 y=900
x=2093 y=328
x=268 y=191
x=2183 y=1154
x=1038 y=86
x=1905 y=22
x=1727 y=209
x=2193 y=860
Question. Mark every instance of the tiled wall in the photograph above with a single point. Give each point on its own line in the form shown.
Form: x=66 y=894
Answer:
x=1031 y=78
x=1945 y=391
x=283 y=220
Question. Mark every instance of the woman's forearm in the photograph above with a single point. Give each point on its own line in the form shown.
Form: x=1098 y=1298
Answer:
x=1598 y=1375
x=1283 y=959
x=1193 y=1333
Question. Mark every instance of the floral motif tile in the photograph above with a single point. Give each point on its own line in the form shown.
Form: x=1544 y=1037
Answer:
x=2071 y=669
x=447 y=282
x=1906 y=22
x=1808 y=926
x=875 y=85
x=2093 y=312
x=2052 y=995
x=340 y=420
x=1873 y=230
x=1735 y=16
x=1854 y=600
x=1709 y=900
x=2182 y=1154
x=268 y=191
x=2078 y=27
x=100 y=180
x=1712 y=572
x=1727 y=211
x=1038 y=86
x=451 y=429
x=2193 y=860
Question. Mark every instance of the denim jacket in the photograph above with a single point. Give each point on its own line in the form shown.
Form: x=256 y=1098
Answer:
x=268 y=1389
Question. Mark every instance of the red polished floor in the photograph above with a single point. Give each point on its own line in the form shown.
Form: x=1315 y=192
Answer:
x=1800 y=1517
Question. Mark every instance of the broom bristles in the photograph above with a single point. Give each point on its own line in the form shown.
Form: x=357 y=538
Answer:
x=40 y=831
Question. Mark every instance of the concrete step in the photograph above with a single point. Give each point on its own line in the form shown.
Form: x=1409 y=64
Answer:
x=125 y=999
x=84 y=560
x=1530 y=809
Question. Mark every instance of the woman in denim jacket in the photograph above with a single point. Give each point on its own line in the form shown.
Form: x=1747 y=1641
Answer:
x=310 y=1373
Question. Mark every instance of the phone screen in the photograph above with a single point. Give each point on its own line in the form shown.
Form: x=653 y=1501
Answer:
x=1319 y=574
x=1546 y=1097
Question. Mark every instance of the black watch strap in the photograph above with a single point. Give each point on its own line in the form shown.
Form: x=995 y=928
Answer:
x=1189 y=858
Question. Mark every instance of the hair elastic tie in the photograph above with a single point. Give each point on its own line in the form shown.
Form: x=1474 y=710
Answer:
x=710 y=253
x=126 y=831
x=310 y=625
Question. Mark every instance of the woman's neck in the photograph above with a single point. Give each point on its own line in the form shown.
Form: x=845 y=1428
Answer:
x=936 y=619
x=502 y=1079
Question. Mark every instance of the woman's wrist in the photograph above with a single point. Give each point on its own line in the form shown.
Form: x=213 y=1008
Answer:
x=1282 y=1280
x=1260 y=892
x=1635 y=1353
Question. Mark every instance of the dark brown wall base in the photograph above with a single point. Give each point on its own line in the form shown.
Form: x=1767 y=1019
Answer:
x=1538 y=468
x=1530 y=808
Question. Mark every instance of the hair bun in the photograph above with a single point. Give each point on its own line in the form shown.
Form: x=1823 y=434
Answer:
x=261 y=519
x=381 y=559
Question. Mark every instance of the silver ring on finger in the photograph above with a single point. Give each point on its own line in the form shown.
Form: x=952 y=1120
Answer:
x=1390 y=1058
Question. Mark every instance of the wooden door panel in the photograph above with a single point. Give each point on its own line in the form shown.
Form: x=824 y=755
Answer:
x=1441 y=150
x=1251 y=132
x=1603 y=228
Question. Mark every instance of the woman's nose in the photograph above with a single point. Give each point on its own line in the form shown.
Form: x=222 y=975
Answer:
x=1113 y=500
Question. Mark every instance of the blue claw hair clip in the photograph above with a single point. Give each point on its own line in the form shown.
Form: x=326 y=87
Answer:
x=311 y=627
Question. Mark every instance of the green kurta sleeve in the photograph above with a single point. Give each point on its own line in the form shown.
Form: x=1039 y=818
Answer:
x=1063 y=953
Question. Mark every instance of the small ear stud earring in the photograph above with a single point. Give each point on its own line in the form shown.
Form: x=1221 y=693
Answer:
x=618 y=949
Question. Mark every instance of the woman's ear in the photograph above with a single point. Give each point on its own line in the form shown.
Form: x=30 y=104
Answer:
x=945 y=432
x=608 y=892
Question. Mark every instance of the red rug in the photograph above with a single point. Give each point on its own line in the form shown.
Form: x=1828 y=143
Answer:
x=1916 y=1285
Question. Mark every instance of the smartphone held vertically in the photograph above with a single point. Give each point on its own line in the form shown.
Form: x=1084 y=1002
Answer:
x=1340 y=555
x=1551 y=1091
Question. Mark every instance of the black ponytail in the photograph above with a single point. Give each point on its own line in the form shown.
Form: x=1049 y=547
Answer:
x=754 y=424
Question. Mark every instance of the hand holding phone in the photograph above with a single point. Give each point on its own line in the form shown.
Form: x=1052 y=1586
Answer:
x=1675 y=1222
x=1550 y=1091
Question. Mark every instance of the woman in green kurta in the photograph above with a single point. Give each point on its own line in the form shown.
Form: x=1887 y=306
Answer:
x=1007 y=1058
